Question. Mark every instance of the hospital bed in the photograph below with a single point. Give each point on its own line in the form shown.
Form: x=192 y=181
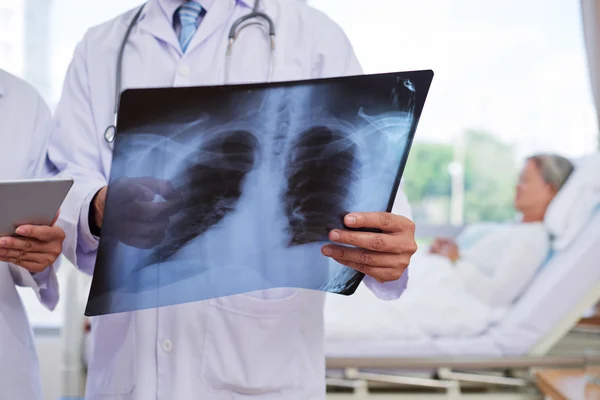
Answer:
x=530 y=336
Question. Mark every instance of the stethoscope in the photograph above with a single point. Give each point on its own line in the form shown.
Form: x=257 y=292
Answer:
x=111 y=131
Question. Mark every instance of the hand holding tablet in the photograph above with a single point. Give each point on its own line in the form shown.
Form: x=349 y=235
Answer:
x=29 y=237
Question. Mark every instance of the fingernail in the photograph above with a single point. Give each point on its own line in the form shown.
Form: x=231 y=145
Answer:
x=351 y=220
x=21 y=231
x=335 y=235
x=2 y=242
x=327 y=251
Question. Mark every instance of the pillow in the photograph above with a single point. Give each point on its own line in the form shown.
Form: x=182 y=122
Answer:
x=574 y=204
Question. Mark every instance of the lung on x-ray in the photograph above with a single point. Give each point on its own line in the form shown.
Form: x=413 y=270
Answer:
x=224 y=190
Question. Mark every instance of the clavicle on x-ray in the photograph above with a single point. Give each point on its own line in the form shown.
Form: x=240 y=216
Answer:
x=224 y=190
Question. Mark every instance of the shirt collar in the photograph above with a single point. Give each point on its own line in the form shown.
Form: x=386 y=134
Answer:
x=170 y=6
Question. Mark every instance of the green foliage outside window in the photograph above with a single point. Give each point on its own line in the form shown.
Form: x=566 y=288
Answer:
x=426 y=172
x=490 y=175
x=490 y=179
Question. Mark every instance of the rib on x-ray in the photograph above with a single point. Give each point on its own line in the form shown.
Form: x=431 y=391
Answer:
x=225 y=190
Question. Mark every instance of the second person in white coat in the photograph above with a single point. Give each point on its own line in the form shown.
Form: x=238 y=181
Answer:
x=26 y=261
x=262 y=345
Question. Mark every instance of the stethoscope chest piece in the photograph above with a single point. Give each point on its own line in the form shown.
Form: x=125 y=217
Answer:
x=110 y=133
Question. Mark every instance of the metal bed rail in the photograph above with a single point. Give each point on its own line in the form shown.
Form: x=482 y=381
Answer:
x=478 y=363
x=451 y=375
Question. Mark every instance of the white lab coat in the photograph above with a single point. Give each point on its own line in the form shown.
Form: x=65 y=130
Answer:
x=24 y=133
x=263 y=345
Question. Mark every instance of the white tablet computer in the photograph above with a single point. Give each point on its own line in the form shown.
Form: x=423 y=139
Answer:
x=30 y=202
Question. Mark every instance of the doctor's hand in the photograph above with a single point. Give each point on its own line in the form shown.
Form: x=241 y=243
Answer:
x=383 y=256
x=35 y=248
x=138 y=216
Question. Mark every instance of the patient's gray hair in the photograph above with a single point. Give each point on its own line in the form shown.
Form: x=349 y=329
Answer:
x=555 y=169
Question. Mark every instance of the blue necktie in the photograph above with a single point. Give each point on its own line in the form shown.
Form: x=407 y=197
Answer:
x=189 y=14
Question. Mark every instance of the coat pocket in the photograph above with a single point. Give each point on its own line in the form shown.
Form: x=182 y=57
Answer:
x=253 y=345
x=112 y=362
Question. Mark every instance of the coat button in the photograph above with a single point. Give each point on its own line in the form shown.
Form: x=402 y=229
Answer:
x=184 y=70
x=167 y=346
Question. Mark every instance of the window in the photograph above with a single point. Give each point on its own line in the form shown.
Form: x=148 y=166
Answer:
x=510 y=80
x=10 y=36
x=6 y=53
x=5 y=17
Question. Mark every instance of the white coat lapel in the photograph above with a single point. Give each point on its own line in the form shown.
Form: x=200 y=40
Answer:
x=154 y=21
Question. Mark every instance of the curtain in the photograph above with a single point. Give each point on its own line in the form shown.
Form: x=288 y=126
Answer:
x=590 y=10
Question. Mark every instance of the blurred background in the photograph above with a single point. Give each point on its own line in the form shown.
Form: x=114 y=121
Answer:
x=511 y=79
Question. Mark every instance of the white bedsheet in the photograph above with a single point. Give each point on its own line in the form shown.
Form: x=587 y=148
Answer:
x=373 y=331
x=435 y=304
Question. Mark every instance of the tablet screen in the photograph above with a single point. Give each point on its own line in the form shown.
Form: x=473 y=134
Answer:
x=30 y=202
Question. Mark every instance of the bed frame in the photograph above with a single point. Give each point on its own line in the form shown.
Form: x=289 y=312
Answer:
x=452 y=375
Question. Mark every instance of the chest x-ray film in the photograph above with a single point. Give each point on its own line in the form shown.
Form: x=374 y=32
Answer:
x=223 y=190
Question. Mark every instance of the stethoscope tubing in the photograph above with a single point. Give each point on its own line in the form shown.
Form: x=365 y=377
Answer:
x=110 y=132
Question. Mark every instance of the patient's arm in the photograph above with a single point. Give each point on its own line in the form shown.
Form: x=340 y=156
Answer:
x=450 y=251
x=514 y=255
x=445 y=247
x=436 y=246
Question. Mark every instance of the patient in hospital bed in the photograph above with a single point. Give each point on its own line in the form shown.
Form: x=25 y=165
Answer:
x=500 y=265
x=457 y=289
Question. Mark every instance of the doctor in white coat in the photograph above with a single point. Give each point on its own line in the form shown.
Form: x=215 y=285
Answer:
x=263 y=345
x=28 y=261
